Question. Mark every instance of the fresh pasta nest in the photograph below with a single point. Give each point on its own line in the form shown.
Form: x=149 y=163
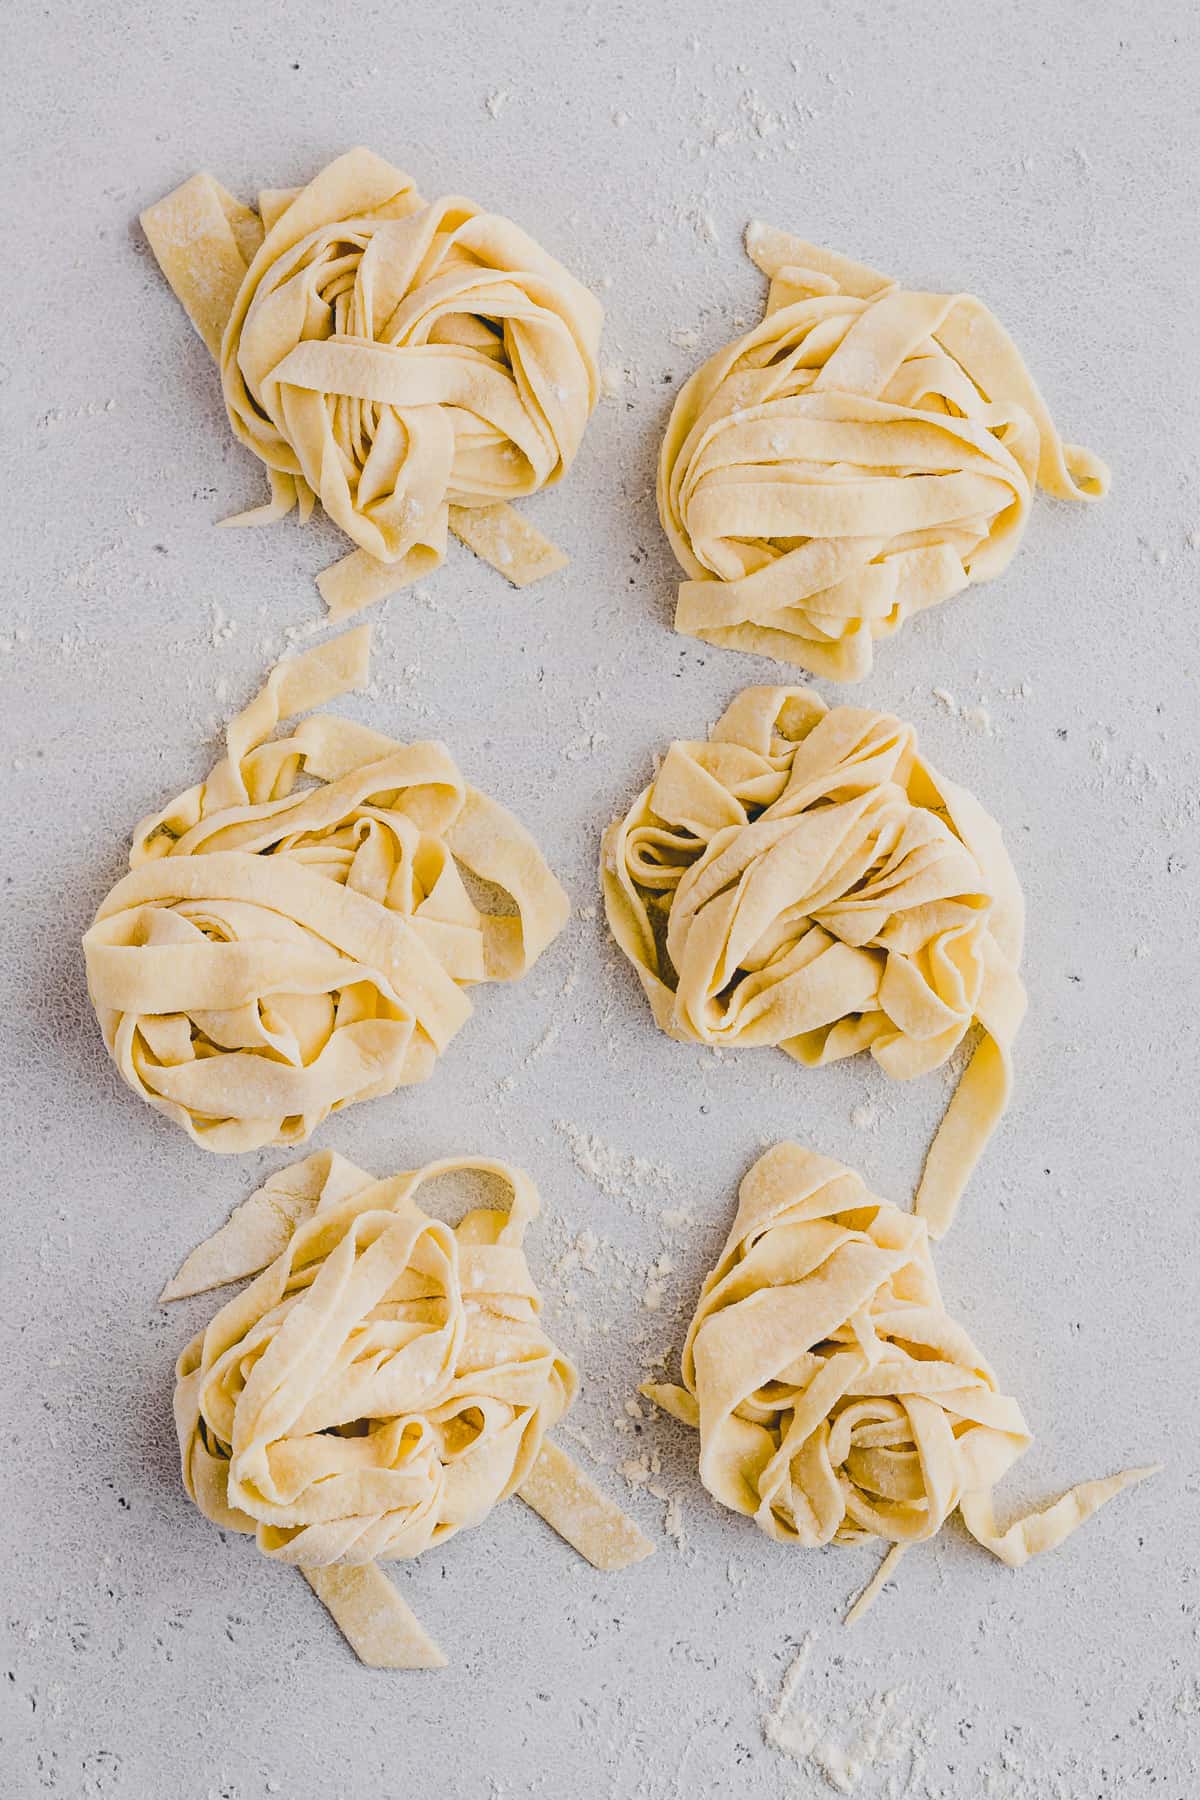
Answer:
x=835 y=1398
x=398 y=360
x=295 y=933
x=382 y=1384
x=805 y=879
x=863 y=453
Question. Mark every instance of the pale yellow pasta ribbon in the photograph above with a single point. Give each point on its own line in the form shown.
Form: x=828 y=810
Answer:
x=863 y=453
x=382 y=1384
x=835 y=1398
x=296 y=933
x=413 y=366
x=806 y=879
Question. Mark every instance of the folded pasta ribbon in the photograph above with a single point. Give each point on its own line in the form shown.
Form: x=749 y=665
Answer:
x=805 y=879
x=863 y=453
x=295 y=932
x=835 y=1398
x=381 y=1384
x=413 y=366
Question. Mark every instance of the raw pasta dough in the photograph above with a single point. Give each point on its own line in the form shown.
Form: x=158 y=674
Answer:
x=382 y=1384
x=836 y=1399
x=295 y=933
x=412 y=366
x=863 y=453
x=804 y=878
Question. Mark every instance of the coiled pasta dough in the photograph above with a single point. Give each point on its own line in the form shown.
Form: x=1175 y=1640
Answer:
x=295 y=933
x=805 y=879
x=382 y=1384
x=835 y=1398
x=413 y=366
x=863 y=453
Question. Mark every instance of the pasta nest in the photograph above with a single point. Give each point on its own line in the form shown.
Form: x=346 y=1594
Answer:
x=836 y=1399
x=296 y=932
x=863 y=453
x=382 y=1384
x=806 y=879
x=393 y=357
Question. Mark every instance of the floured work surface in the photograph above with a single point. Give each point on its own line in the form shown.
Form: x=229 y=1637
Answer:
x=1048 y=167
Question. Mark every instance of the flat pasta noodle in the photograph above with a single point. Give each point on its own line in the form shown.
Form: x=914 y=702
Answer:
x=836 y=1399
x=560 y=1493
x=382 y=1383
x=296 y=933
x=862 y=454
x=260 y=1229
x=409 y=364
x=805 y=879
x=382 y=1631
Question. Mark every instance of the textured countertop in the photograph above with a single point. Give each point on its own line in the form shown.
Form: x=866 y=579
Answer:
x=1042 y=156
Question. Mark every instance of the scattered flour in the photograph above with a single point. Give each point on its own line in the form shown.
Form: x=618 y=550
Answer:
x=652 y=1295
x=633 y=1179
x=581 y=1255
x=223 y=627
x=585 y=747
x=62 y=415
x=977 y=716
x=543 y=1047
x=872 y=1735
x=638 y=1470
x=673 y=1521
x=642 y=1472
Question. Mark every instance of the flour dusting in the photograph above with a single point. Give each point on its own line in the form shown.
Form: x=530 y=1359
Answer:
x=633 y=1179
x=872 y=1735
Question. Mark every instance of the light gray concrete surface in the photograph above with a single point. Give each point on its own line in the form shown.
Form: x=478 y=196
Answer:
x=1043 y=155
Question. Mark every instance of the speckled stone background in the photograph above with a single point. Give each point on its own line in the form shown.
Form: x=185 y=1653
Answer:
x=1042 y=155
